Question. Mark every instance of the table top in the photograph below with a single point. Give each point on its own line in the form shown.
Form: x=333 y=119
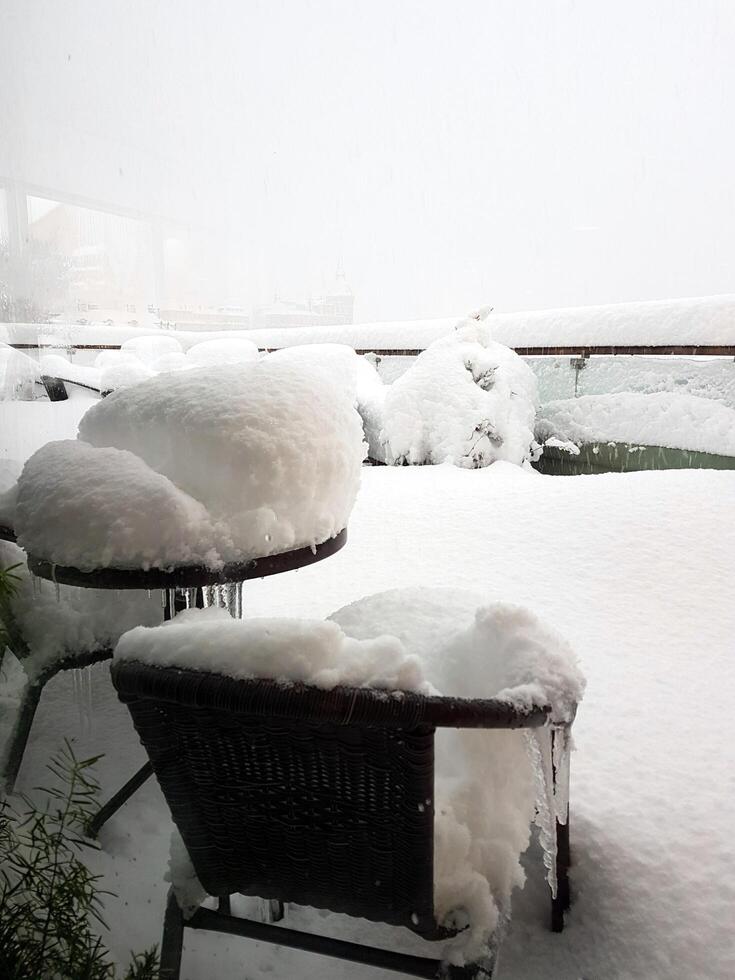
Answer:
x=186 y=576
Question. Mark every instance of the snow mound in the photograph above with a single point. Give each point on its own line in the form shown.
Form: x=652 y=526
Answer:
x=671 y=419
x=173 y=361
x=56 y=366
x=208 y=465
x=77 y=621
x=339 y=363
x=123 y=374
x=287 y=650
x=150 y=347
x=91 y=508
x=107 y=358
x=464 y=400
x=235 y=351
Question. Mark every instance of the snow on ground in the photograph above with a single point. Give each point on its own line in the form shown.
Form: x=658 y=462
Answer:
x=666 y=418
x=636 y=571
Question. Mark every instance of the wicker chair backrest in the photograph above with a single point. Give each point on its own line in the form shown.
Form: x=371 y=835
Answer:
x=279 y=798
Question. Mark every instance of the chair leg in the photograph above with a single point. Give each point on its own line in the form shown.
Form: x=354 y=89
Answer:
x=561 y=903
x=122 y=796
x=21 y=731
x=172 y=941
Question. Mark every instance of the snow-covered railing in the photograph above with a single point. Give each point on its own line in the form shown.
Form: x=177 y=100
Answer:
x=701 y=326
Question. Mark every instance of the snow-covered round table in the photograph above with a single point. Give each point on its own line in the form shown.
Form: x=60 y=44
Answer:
x=186 y=576
x=171 y=581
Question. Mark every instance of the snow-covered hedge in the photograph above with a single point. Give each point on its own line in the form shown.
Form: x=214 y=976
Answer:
x=670 y=419
x=465 y=400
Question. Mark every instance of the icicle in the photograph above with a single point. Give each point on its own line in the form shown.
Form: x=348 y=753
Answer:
x=82 y=698
x=231 y=591
x=76 y=680
x=538 y=741
x=148 y=593
x=56 y=584
x=561 y=751
x=90 y=702
x=238 y=600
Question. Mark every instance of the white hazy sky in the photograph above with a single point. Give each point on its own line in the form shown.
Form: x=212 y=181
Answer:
x=523 y=154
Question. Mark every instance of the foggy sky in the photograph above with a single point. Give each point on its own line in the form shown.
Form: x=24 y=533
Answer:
x=523 y=154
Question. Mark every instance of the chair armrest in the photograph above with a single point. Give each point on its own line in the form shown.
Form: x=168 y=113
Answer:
x=359 y=706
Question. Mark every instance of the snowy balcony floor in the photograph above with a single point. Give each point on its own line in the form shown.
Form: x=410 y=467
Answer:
x=637 y=571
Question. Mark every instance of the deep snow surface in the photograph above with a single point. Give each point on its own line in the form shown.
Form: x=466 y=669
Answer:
x=636 y=570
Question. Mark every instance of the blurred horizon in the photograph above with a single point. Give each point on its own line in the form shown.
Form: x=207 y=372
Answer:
x=317 y=159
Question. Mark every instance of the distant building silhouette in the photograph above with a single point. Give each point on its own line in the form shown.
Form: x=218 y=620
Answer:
x=336 y=306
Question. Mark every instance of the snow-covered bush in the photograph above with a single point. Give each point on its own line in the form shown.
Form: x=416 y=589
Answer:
x=465 y=400
x=50 y=901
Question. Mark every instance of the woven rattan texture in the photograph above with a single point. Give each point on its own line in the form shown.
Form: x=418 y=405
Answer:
x=331 y=816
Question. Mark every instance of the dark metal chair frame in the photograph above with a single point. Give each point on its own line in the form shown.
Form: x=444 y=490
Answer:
x=171 y=581
x=300 y=795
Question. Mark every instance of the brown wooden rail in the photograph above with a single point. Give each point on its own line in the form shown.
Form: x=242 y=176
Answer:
x=680 y=350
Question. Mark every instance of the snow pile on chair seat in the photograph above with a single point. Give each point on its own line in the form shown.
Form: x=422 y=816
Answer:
x=671 y=419
x=209 y=465
x=78 y=621
x=312 y=651
x=429 y=641
x=465 y=400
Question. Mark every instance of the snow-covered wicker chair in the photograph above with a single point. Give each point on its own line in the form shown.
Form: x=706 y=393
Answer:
x=300 y=795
